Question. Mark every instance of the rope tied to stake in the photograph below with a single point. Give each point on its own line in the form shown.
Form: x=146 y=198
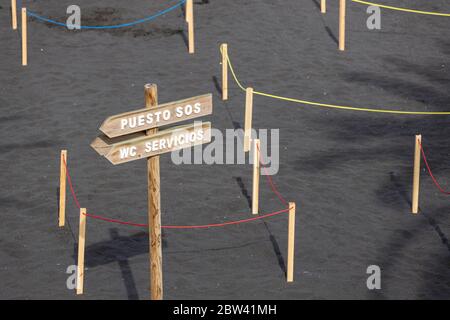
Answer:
x=436 y=183
x=205 y=226
x=332 y=106
x=123 y=25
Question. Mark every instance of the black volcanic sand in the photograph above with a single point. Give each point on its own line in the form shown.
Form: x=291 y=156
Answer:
x=350 y=173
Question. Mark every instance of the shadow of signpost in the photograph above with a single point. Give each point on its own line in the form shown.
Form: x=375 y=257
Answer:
x=125 y=269
x=118 y=249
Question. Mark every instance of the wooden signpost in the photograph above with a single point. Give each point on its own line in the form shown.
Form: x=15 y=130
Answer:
x=154 y=206
x=160 y=115
x=145 y=146
x=134 y=135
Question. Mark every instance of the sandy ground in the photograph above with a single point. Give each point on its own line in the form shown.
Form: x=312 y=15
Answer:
x=349 y=173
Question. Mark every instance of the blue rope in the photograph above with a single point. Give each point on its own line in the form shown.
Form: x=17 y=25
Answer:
x=129 y=24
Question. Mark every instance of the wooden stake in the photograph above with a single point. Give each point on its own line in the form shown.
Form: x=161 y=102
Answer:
x=342 y=5
x=323 y=6
x=291 y=240
x=248 y=118
x=256 y=173
x=154 y=207
x=191 y=26
x=62 y=188
x=187 y=10
x=416 y=177
x=24 y=37
x=14 y=14
x=81 y=247
x=224 y=50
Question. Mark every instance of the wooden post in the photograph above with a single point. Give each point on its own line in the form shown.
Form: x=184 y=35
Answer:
x=81 y=246
x=256 y=173
x=248 y=118
x=291 y=240
x=190 y=22
x=24 y=37
x=62 y=188
x=323 y=6
x=154 y=207
x=416 y=177
x=224 y=50
x=342 y=24
x=14 y=14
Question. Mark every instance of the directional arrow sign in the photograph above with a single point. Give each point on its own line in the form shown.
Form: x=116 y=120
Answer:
x=143 y=119
x=139 y=146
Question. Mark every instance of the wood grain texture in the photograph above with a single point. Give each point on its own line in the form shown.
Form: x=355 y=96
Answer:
x=103 y=144
x=154 y=207
x=135 y=147
x=199 y=106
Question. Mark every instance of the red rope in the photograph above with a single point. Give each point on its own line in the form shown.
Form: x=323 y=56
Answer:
x=115 y=220
x=431 y=173
x=269 y=179
x=69 y=178
x=204 y=226
x=227 y=223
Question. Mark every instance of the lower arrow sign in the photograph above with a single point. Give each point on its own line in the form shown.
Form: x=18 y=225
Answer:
x=139 y=146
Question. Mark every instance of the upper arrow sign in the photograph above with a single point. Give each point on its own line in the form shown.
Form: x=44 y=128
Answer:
x=143 y=119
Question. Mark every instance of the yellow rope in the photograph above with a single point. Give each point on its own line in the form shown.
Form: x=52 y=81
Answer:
x=402 y=9
x=333 y=106
x=234 y=74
